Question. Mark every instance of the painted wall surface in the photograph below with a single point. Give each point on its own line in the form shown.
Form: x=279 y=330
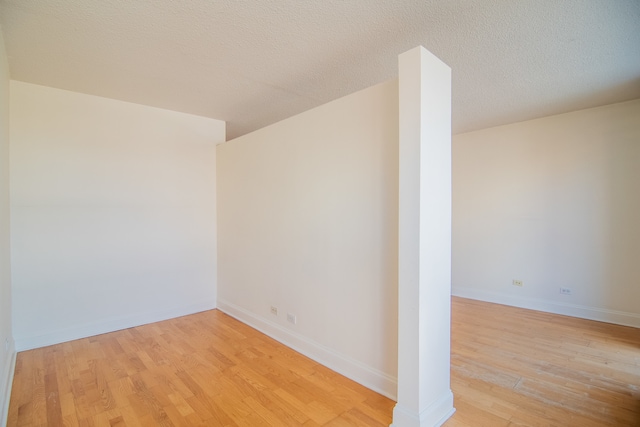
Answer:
x=554 y=202
x=6 y=338
x=424 y=241
x=113 y=214
x=307 y=223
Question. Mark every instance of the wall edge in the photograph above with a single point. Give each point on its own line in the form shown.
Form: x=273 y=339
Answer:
x=7 y=389
x=109 y=325
x=573 y=310
x=350 y=368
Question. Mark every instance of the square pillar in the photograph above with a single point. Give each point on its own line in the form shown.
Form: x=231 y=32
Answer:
x=424 y=242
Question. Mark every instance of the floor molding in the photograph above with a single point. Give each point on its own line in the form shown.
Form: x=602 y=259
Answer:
x=7 y=389
x=555 y=307
x=352 y=369
x=109 y=325
x=433 y=416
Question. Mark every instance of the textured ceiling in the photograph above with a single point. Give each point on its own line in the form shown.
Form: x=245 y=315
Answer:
x=254 y=62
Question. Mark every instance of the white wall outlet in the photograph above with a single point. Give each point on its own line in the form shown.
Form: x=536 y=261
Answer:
x=517 y=282
x=291 y=318
x=274 y=310
x=565 y=291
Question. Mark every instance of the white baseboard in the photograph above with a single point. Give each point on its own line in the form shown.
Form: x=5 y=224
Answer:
x=433 y=416
x=555 y=307
x=352 y=369
x=7 y=377
x=109 y=325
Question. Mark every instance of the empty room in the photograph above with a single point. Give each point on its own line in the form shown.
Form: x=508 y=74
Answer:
x=342 y=213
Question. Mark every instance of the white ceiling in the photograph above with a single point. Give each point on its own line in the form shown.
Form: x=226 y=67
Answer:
x=254 y=62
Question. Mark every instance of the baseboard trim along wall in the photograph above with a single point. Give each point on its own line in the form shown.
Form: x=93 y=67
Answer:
x=8 y=378
x=555 y=307
x=433 y=416
x=352 y=369
x=109 y=325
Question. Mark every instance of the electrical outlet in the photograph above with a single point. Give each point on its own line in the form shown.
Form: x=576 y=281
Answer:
x=274 y=310
x=517 y=282
x=565 y=291
x=291 y=318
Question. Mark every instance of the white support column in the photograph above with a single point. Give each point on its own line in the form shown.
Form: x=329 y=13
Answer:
x=424 y=247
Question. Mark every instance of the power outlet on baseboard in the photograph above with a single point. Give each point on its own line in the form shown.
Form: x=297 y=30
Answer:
x=274 y=310
x=291 y=318
x=517 y=283
x=565 y=291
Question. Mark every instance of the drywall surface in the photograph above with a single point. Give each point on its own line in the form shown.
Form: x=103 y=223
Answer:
x=307 y=223
x=552 y=202
x=424 y=241
x=113 y=214
x=6 y=337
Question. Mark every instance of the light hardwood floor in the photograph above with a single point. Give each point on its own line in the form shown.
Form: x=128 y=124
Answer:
x=510 y=367
x=515 y=367
x=203 y=369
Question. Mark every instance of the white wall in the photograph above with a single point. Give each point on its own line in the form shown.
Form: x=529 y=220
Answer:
x=307 y=222
x=113 y=214
x=552 y=202
x=6 y=338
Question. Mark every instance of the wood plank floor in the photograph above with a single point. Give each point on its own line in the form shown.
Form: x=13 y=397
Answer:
x=205 y=369
x=515 y=367
x=510 y=367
